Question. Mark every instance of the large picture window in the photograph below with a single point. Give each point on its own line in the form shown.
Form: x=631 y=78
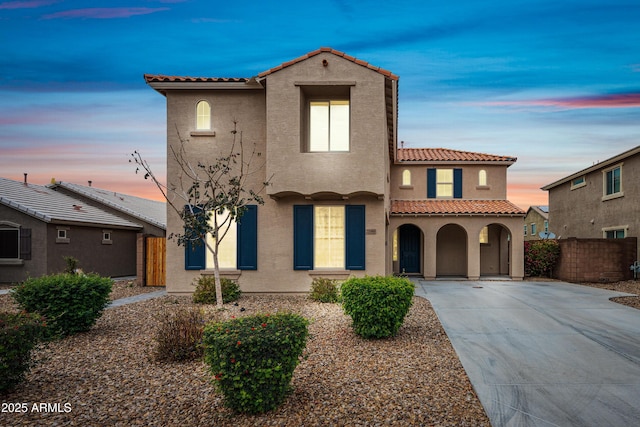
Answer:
x=329 y=237
x=329 y=125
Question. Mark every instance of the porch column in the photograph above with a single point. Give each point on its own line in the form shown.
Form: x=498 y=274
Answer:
x=429 y=253
x=473 y=256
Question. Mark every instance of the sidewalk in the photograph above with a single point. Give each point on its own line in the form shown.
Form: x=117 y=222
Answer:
x=121 y=301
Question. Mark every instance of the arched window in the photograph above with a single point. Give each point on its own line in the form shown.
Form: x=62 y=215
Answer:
x=482 y=177
x=406 y=177
x=203 y=112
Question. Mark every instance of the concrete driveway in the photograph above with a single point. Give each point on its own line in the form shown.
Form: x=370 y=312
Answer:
x=543 y=353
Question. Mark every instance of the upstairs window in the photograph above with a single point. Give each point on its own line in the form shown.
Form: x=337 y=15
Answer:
x=406 y=178
x=578 y=182
x=329 y=125
x=613 y=181
x=203 y=116
x=444 y=183
x=482 y=178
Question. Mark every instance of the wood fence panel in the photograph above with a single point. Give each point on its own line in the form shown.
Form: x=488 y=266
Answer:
x=156 y=261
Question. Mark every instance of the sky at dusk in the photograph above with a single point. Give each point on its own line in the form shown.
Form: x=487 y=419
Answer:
x=554 y=83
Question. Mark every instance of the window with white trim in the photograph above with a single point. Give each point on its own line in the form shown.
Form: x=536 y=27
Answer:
x=613 y=181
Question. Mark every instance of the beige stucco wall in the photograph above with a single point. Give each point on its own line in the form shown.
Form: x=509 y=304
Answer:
x=496 y=188
x=362 y=169
x=584 y=213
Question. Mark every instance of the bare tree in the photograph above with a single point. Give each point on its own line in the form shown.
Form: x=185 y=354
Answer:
x=208 y=197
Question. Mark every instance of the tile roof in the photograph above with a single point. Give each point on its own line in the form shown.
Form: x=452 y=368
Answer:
x=447 y=155
x=150 y=211
x=382 y=71
x=156 y=78
x=50 y=206
x=454 y=207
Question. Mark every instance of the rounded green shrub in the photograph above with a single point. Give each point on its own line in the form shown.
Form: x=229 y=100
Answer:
x=377 y=304
x=205 y=292
x=19 y=334
x=71 y=303
x=253 y=359
x=324 y=290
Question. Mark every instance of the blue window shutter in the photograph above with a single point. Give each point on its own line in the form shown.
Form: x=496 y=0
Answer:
x=431 y=183
x=194 y=256
x=457 y=183
x=247 y=248
x=355 y=237
x=303 y=237
x=194 y=253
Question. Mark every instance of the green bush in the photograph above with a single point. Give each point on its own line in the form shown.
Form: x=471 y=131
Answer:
x=540 y=257
x=253 y=359
x=179 y=334
x=377 y=305
x=206 y=290
x=324 y=290
x=71 y=303
x=19 y=334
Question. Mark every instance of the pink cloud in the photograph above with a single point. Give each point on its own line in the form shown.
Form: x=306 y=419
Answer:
x=625 y=100
x=104 y=12
x=26 y=4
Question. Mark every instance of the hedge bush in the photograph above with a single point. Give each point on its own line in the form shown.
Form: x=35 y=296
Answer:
x=540 y=257
x=19 y=334
x=179 y=334
x=205 y=292
x=377 y=305
x=253 y=358
x=324 y=290
x=71 y=303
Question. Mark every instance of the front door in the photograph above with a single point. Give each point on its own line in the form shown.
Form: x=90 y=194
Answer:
x=409 y=237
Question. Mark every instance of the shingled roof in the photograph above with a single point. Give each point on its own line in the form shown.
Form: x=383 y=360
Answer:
x=52 y=207
x=448 y=155
x=455 y=207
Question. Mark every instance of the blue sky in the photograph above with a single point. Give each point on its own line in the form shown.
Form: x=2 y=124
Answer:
x=554 y=83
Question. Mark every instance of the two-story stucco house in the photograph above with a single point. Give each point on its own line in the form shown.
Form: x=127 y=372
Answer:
x=601 y=201
x=343 y=199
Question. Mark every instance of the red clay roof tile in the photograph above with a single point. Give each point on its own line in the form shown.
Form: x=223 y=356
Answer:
x=384 y=72
x=454 y=207
x=149 y=78
x=447 y=155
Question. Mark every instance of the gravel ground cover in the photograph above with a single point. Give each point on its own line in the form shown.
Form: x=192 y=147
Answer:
x=106 y=376
x=629 y=286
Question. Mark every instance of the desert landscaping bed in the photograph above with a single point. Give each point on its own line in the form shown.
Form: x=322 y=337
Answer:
x=106 y=376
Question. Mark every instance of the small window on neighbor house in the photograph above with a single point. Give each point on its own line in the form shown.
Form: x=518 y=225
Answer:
x=62 y=235
x=482 y=178
x=614 y=234
x=546 y=226
x=578 y=182
x=203 y=113
x=9 y=243
x=533 y=229
x=406 y=178
x=613 y=181
x=525 y=229
x=106 y=237
x=484 y=235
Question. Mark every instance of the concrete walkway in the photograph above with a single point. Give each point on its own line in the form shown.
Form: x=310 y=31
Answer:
x=136 y=298
x=543 y=353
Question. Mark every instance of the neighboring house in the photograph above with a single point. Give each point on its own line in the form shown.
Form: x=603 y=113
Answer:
x=535 y=222
x=151 y=214
x=601 y=201
x=40 y=226
x=339 y=201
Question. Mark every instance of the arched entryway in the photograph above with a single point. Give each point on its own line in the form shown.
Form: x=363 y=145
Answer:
x=451 y=251
x=495 y=250
x=409 y=249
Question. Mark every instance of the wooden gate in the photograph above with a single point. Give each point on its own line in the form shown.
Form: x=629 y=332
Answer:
x=156 y=261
